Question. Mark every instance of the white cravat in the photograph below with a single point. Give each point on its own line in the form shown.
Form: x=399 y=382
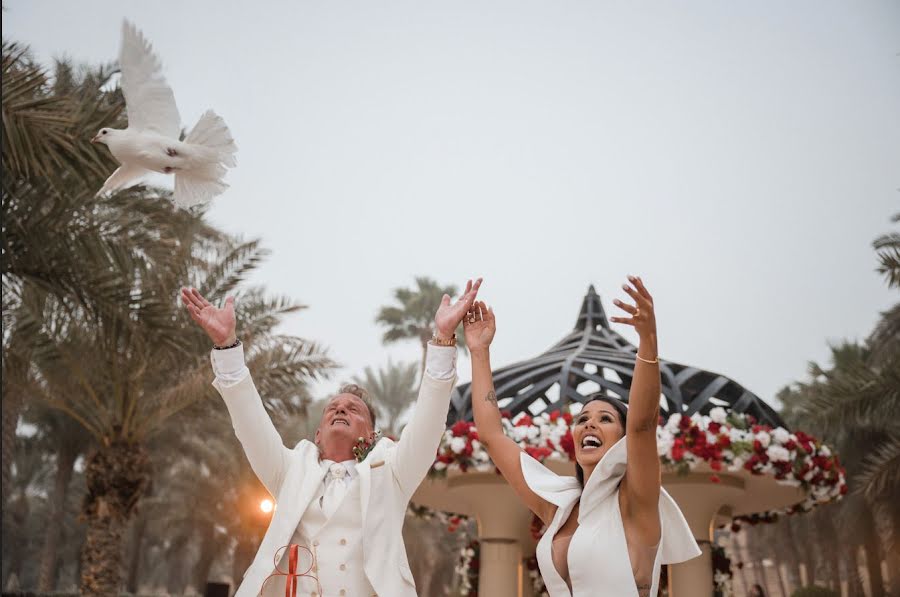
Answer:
x=335 y=488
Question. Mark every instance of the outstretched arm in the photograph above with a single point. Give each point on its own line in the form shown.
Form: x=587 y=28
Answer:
x=642 y=473
x=479 y=327
x=422 y=435
x=253 y=427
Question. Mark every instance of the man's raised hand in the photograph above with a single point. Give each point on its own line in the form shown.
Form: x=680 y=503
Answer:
x=448 y=315
x=218 y=323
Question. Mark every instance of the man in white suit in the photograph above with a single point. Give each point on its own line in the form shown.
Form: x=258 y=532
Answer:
x=348 y=514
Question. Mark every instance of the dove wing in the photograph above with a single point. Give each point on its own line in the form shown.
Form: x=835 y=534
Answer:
x=148 y=98
x=124 y=176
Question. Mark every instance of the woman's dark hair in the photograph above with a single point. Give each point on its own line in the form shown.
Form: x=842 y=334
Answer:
x=623 y=416
x=758 y=591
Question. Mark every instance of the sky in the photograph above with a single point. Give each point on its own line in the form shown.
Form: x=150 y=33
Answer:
x=740 y=157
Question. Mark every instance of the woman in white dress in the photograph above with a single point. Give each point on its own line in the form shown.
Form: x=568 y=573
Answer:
x=610 y=529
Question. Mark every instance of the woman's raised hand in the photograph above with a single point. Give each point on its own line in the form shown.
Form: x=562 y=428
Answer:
x=218 y=323
x=479 y=327
x=643 y=318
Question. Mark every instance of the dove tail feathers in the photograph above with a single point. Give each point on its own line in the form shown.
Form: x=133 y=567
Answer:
x=193 y=187
x=212 y=150
x=215 y=141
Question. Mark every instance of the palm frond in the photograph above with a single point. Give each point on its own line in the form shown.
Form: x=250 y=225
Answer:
x=880 y=477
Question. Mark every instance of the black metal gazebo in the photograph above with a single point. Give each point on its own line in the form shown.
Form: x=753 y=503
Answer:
x=592 y=358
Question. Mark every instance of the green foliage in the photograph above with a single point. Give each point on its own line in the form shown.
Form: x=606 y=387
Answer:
x=413 y=318
x=393 y=388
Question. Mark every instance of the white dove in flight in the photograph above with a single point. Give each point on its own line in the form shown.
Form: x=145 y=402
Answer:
x=151 y=141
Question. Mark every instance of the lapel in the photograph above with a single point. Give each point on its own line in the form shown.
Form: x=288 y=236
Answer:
x=374 y=459
x=301 y=483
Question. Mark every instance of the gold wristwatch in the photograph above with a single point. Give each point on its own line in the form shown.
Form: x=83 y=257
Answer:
x=438 y=342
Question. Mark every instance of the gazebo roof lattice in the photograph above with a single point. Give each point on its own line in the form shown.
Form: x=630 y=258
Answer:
x=592 y=358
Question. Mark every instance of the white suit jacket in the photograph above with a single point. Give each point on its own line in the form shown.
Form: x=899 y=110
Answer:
x=388 y=477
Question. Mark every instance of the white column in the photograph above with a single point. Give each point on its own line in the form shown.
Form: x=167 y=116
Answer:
x=501 y=560
x=699 y=501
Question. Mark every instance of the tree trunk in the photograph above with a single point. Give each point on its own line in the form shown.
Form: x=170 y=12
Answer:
x=794 y=579
x=18 y=517
x=65 y=462
x=14 y=376
x=208 y=549
x=829 y=546
x=134 y=562
x=851 y=570
x=117 y=475
x=873 y=555
x=243 y=557
x=175 y=581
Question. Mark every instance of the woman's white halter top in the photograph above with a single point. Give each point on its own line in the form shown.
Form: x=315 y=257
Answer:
x=598 y=553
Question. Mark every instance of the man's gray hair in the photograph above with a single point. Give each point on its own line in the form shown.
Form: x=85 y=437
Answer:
x=361 y=393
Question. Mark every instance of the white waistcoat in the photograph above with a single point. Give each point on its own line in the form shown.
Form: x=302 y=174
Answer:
x=600 y=530
x=335 y=544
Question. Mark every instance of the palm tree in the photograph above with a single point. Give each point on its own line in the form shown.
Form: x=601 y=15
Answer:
x=125 y=383
x=30 y=471
x=68 y=440
x=58 y=239
x=393 y=388
x=414 y=316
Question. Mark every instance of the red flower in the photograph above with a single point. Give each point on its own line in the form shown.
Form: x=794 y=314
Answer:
x=567 y=443
x=567 y=417
x=460 y=428
x=715 y=479
x=525 y=421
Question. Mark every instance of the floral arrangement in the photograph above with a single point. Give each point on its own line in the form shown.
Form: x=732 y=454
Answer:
x=468 y=568
x=721 y=564
x=538 y=588
x=723 y=441
x=449 y=519
x=364 y=446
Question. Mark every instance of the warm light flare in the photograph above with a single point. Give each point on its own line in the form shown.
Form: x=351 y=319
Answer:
x=266 y=506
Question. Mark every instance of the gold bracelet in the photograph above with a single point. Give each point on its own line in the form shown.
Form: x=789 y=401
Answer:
x=653 y=362
x=438 y=342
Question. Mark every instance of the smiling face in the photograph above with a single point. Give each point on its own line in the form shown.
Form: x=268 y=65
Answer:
x=595 y=430
x=346 y=418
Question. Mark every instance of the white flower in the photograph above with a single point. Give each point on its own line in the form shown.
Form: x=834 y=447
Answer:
x=533 y=432
x=476 y=445
x=737 y=435
x=825 y=451
x=781 y=435
x=439 y=466
x=664 y=442
x=457 y=444
x=778 y=454
x=764 y=438
x=718 y=414
x=672 y=424
x=520 y=433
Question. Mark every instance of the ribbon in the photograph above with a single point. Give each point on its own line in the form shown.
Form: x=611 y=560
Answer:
x=291 y=576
